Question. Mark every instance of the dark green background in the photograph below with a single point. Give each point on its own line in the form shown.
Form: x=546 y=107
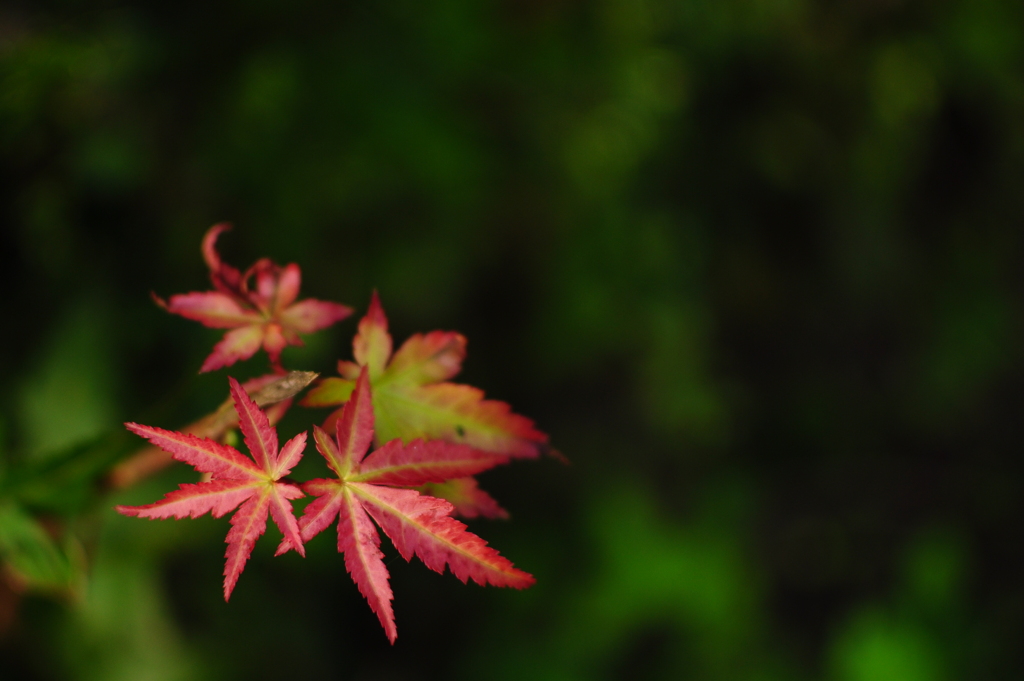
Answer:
x=754 y=265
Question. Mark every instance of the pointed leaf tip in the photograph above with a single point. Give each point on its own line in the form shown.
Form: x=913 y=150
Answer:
x=247 y=525
x=359 y=541
x=284 y=518
x=237 y=344
x=355 y=427
x=372 y=345
x=259 y=436
x=290 y=455
x=209 y=247
x=375 y=310
x=203 y=454
x=421 y=526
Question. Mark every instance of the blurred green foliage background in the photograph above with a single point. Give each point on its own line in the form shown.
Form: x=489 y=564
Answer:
x=755 y=265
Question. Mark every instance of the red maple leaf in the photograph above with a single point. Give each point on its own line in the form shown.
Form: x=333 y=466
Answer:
x=417 y=524
x=266 y=316
x=255 y=484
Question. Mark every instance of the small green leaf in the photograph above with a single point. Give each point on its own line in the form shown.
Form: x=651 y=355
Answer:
x=27 y=549
x=329 y=392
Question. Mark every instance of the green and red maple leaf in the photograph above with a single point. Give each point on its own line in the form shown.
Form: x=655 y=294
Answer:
x=376 y=487
x=266 y=316
x=413 y=400
x=254 y=486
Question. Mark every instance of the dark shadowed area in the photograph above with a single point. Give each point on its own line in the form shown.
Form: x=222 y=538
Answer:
x=753 y=265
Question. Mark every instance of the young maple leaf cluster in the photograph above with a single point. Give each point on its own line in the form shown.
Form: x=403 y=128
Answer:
x=266 y=316
x=431 y=438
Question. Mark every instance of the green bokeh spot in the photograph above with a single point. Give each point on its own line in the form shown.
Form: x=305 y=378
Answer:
x=877 y=646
